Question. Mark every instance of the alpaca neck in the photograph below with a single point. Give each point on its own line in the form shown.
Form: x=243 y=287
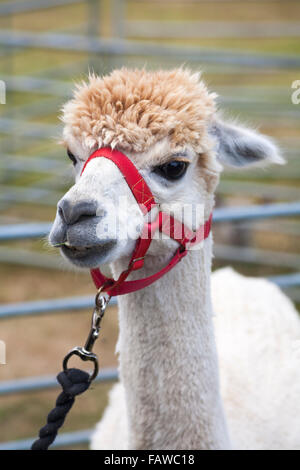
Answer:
x=168 y=359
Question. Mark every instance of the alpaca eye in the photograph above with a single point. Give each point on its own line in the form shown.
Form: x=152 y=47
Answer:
x=71 y=157
x=173 y=170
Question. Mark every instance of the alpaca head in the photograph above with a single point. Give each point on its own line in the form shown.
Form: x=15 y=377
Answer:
x=166 y=122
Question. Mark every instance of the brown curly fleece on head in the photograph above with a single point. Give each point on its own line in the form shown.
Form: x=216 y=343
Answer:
x=133 y=109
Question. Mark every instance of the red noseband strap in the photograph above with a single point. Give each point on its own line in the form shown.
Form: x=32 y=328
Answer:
x=164 y=223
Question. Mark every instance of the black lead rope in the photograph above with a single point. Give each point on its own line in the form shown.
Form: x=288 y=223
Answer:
x=73 y=381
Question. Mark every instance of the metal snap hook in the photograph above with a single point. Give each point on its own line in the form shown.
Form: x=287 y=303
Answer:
x=84 y=356
x=85 y=353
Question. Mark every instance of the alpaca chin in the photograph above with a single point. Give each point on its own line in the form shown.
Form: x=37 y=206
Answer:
x=88 y=257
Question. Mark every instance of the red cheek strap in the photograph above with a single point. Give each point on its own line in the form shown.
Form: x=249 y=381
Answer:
x=164 y=223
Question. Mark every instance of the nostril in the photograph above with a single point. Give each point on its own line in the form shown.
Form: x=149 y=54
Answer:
x=72 y=213
x=64 y=210
x=61 y=213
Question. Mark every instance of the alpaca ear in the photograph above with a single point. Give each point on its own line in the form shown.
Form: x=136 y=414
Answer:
x=241 y=147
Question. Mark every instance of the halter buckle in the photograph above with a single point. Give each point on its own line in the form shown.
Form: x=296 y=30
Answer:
x=137 y=263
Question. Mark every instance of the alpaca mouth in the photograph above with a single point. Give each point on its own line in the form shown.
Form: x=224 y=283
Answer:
x=87 y=256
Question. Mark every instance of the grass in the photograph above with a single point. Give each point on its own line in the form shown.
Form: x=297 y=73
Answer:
x=52 y=19
x=214 y=11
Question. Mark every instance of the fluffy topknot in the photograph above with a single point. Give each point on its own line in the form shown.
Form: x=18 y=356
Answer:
x=133 y=109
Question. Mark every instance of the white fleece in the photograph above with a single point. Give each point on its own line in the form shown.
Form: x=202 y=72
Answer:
x=258 y=341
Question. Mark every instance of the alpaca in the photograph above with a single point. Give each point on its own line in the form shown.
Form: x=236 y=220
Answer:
x=189 y=379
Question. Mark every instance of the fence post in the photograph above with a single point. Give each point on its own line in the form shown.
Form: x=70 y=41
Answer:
x=118 y=11
x=93 y=22
x=93 y=30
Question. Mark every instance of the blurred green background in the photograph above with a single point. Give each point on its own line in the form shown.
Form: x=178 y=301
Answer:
x=249 y=54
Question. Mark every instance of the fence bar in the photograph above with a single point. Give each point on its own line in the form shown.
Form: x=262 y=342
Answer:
x=248 y=95
x=46 y=306
x=257 y=256
x=40 y=85
x=32 y=384
x=286 y=280
x=79 y=43
x=13 y=8
x=39 y=165
x=63 y=440
x=264 y=211
x=32 y=258
x=29 y=129
x=23 y=231
x=41 y=307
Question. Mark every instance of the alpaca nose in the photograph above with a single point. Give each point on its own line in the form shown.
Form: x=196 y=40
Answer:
x=72 y=212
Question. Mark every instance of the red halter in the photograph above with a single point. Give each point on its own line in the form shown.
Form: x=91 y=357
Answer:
x=164 y=223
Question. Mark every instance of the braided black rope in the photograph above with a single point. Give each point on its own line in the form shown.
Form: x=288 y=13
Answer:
x=73 y=382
